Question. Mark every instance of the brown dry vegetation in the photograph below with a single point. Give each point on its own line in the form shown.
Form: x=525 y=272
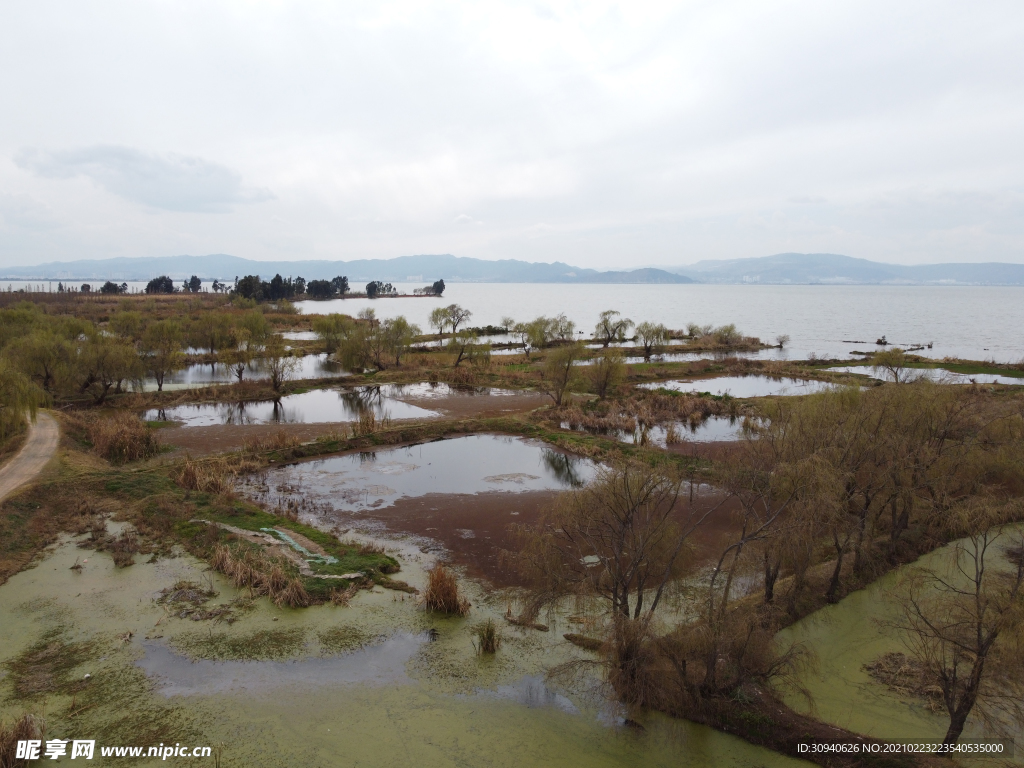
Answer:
x=442 y=593
x=28 y=726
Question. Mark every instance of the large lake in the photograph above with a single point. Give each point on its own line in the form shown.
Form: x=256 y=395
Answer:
x=971 y=322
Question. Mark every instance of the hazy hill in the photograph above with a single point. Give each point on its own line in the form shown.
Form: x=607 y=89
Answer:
x=826 y=268
x=401 y=269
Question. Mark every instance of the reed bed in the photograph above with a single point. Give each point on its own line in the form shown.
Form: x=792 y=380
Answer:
x=442 y=594
x=123 y=438
x=261 y=575
x=488 y=639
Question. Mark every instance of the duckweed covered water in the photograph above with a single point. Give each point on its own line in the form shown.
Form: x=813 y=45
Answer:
x=363 y=686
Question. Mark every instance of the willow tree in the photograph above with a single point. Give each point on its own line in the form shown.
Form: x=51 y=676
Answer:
x=18 y=397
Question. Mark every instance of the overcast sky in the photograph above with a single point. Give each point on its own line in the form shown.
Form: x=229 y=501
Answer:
x=600 y=134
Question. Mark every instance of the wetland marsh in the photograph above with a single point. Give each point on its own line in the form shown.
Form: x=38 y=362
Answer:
x=257 y=558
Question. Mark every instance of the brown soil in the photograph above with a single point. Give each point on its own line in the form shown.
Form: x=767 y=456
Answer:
x=474 y=528
x=473 y=406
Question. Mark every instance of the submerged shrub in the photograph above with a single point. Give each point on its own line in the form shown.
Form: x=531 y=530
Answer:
x=442 y=593
x=124 y=547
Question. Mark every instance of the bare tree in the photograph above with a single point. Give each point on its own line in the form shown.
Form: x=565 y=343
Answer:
x=893 y=364
x=962 y=626
x=457 y=316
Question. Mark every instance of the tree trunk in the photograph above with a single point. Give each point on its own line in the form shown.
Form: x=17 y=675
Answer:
x=833 y=584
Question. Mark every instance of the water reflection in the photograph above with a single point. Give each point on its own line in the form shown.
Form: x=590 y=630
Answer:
x=565 y=468
x=206 y=374
x=744 y=386
x=316 y=406
x=461 y=465
x=938 y=375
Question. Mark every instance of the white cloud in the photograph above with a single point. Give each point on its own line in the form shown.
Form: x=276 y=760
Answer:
x=677 y=130
x=170 y=181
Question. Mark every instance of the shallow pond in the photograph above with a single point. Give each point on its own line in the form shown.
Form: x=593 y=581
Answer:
x=461 y=465
x=744 y=386
x=317 y=406
x=938 y=375
x=203 y=375
x=714 y=429
x=392 y=697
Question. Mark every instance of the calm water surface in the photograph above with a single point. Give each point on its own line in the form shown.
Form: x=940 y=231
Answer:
x=972 y=322
x=462 y=465
x=743 y=386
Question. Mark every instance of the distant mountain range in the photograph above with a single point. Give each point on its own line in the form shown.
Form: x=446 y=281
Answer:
x=782 y=268
x=405 y=269
x=833 y=269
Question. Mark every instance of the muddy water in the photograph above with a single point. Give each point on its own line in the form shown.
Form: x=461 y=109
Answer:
x=317 y=406
x=363 y=685
x=744 y=386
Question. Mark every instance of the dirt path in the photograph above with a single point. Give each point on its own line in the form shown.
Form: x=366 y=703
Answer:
x=38 y=449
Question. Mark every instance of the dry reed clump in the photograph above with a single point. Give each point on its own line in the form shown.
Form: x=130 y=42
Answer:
x=442 y=594
x=369 y=423
x=488 y=639
x=21 y=729
x=206 y=477
x=459 y=376
x=261 y=575
x=673 y=436
x=124 y=547
x=274 y=442
x=906 y=677
x=343 y=597
x=123 y=438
